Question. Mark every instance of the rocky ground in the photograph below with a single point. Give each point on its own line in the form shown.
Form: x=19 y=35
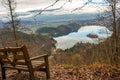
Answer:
x=60 y=72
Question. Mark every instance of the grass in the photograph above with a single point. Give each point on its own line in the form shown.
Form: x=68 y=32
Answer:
x=53 y=24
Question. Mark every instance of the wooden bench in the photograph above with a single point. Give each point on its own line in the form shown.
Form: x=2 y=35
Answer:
x=18 y=58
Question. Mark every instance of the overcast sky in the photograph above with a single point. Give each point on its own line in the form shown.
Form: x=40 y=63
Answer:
x=26 y=5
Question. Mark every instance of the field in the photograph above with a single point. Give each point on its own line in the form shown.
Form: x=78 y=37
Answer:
x=52 y=24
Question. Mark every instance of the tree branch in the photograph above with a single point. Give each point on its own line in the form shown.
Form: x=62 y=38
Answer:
x=47 y=7
x=86 y=3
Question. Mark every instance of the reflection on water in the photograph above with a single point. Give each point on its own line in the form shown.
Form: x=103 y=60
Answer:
x=68 y=41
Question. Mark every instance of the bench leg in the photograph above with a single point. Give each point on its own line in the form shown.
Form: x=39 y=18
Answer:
x=3 y=73
x=31 y=74
x=47 y=72
x=19 y=71
x=47 y=68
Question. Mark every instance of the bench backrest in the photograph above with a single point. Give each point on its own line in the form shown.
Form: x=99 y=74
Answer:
x=14 y=56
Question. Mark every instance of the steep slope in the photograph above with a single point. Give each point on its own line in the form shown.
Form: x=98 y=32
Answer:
x=36 y=44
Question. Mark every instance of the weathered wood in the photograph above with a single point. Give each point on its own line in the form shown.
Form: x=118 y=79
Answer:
x=37 y=57
x=3 y=72
x=47 y=67
x=18 y=58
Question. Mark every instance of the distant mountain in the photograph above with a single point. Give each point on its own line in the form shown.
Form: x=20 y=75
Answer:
x=40 y=19
x=29 y=18
x=63 y=17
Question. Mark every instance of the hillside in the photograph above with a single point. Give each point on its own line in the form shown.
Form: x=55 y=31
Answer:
x=36 y=44
x=60 y=30
x=87 y=53
x=81 y=62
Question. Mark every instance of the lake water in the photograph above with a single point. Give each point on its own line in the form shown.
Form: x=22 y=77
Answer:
x=68 y=41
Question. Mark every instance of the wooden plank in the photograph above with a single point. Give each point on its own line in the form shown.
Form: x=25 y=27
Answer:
x=11 y=49
x=3 y=56
x=37 y=67
x=6 y=62
x=18 y=67
x=19 y=57
x=20 y=63
x=37 y=57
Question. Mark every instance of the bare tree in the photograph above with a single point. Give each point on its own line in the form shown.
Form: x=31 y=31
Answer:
x=113 y=5
x=10 y=5
x=111 y=19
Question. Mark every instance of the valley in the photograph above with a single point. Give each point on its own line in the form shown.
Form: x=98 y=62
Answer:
x=80 y=37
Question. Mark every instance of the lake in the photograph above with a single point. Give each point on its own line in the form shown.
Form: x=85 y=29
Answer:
x=68 y=41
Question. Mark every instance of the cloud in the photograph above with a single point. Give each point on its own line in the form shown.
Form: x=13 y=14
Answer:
x=28 y=5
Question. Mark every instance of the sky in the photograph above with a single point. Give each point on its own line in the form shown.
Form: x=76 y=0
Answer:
x=26 y=5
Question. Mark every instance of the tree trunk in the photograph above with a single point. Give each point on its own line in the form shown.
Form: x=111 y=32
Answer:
x=12 y=22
